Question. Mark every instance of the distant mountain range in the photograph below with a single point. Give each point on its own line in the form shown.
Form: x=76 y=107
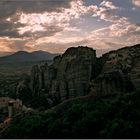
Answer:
x=22 y=56
x=5 y=53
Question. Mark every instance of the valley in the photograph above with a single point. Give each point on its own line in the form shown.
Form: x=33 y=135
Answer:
x=69 y=69
x=74 y=80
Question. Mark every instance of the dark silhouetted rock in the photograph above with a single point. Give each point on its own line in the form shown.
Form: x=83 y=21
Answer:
x=126 y=60
x=79 y=72
x=68 y=76
x=110 y=83
x=35 y=79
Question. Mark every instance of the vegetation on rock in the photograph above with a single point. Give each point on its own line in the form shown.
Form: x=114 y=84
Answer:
x=113 y=117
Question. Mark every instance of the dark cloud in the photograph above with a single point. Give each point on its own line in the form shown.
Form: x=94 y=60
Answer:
x=52 y=30
x=13 y=9
x=10 y=7
x=9 y=29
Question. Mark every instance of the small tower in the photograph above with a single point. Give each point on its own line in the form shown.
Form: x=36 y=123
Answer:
x=10 y=108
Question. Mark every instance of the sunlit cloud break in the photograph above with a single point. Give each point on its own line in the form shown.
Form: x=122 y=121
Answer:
x=56 y=25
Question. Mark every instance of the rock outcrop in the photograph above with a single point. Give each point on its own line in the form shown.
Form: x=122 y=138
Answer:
x=120 y=72
x=79 y=72
x=112 y=82
x=125 y=60
x=69 y=75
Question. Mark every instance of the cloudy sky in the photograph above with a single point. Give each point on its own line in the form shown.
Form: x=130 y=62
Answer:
x=55 y=25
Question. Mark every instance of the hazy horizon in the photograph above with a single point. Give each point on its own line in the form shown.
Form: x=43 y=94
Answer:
x=99 y=52
x=54 y=26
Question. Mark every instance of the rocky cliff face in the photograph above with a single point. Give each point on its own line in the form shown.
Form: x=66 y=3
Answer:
x=79 y=72
x=120 y=72
x=69 y=75
x=125 y=60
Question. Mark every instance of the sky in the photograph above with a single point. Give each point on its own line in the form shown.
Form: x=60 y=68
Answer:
x=55 y=25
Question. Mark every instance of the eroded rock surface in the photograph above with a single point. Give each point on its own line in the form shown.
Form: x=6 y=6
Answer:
x=68 y=76
x=79 y=72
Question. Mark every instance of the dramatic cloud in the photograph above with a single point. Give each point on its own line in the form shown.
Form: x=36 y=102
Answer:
x=108 y=4
x=28 y=22
x=116 y=35
x=46 y=23
x=7 y=44
x=105 y=12
x=4 y=45
x=54 y=22
x=11 y=7
x=136 y=2
x=55 y=25
x=118 y=30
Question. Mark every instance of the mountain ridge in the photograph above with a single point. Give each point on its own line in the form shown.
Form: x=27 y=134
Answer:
x=21 y=56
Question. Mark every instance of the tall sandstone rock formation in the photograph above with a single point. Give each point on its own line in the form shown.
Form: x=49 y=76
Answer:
x=68 y=76
x=120 y=72
x=79 y=72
